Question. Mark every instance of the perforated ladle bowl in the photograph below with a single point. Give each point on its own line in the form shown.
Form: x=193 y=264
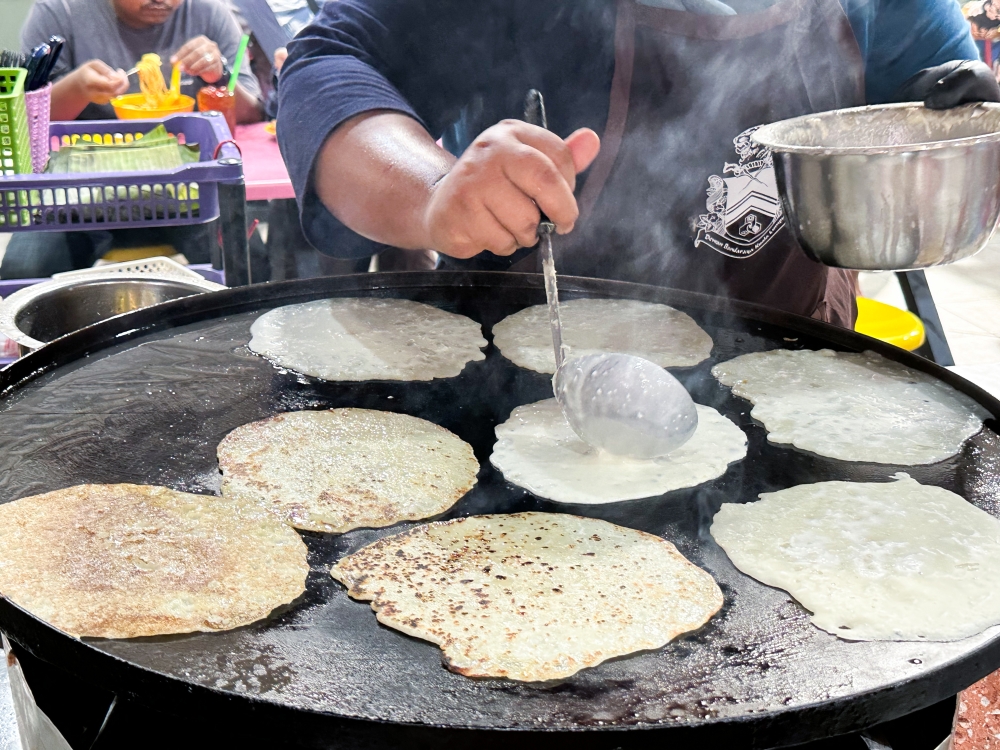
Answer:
x=625 y=404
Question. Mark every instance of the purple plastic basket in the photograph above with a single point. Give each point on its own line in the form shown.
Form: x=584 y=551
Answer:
x=116 y=200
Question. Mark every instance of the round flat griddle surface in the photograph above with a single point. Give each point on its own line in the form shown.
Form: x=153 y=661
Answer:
x=151 y=408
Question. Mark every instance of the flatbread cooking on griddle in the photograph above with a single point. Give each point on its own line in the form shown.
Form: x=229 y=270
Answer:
x=342 y=469
x=655 y=332
x=853 y=406
x=896 y=561
x=368 y=339
x=538 y=450
x=531 y=596
x=127 y=560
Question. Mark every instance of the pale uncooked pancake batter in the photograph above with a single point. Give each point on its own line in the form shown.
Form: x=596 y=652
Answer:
x=895 y=561
x=538 y=450
x=655 y=332
x=126 y=560
x=853 y=406
x=342 y=469
x=531 y=596
x=368 y=339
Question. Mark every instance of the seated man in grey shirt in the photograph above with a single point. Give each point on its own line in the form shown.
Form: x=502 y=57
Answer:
x=104 y=38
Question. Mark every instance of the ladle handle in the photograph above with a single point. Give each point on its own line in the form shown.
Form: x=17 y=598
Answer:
x=534 y=114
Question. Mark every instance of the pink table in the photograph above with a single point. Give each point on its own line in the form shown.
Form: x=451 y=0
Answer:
x=263 y=169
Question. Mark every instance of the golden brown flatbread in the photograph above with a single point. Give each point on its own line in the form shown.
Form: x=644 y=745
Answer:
x=126 y=560
x=341 y=469
x=531 y=596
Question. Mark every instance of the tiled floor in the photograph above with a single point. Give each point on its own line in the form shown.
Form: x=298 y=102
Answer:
x=9 y=739
x=967 y=295
x=968 y=298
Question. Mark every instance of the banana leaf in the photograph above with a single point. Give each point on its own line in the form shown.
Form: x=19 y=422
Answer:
x=156 y=150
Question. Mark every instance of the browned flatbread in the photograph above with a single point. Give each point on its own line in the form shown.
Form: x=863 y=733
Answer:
x=531 y=596
x=340 y=469
x=126 y=560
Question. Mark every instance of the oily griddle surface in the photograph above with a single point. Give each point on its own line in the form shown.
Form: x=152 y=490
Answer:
x=152 y=410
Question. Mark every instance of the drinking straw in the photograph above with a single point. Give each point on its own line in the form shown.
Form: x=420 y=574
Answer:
x=175 y=79
x=238 y=62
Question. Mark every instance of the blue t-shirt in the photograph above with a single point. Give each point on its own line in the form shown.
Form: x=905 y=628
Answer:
x=459 y=66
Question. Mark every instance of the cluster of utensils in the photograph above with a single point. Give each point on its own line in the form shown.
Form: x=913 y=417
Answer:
x=39 y=63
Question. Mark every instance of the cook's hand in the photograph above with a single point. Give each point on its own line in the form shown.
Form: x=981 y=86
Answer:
x=99 y=82
x=951 y=84
x=200 y=57
x=490 y=199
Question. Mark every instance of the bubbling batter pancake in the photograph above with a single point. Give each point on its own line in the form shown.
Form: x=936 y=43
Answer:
x=655 y=332
x=341 y=469
x=851 y=406
x=368 y=339
x=897 y=561
x=531 y=596
x=126 y=560
x=538 y=450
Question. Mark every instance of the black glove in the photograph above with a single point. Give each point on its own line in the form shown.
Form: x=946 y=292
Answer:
x=946 y=86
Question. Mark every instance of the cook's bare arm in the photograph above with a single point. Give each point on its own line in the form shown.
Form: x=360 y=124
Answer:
x=382 y=175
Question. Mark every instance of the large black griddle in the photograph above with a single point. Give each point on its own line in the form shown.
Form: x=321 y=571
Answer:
x=145 y=398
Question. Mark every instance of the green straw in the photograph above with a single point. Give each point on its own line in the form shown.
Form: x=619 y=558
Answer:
x=238 y=62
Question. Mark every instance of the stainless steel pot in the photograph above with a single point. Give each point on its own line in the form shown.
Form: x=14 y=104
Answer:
x=890 y=187
x=40 y=313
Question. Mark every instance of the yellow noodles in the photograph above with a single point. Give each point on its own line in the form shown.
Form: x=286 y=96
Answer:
x=152 y=84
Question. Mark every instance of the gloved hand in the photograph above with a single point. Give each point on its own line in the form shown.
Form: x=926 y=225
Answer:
x=953 y=83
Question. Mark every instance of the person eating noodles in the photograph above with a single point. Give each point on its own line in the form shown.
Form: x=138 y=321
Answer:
x=104 y=39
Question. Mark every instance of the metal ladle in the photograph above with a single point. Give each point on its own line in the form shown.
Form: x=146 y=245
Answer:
x=620 y=403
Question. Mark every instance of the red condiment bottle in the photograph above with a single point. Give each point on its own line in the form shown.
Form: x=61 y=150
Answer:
x=219 y=99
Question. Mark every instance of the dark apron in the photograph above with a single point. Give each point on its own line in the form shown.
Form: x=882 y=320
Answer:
x=679 y=195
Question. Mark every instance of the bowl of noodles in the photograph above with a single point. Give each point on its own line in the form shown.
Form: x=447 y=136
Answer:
x=135 y=107
x=155 y=99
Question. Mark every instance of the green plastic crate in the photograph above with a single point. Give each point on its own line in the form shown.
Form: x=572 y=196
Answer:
x=15 y=138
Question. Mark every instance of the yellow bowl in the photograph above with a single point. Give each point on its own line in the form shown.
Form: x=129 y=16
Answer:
x=890 y=324
x=133 y=107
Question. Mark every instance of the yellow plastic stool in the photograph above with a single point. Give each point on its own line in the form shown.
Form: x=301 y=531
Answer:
x=890 y=324
x=125 y=254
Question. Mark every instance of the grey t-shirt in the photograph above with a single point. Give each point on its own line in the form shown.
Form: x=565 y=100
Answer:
x=93 y=32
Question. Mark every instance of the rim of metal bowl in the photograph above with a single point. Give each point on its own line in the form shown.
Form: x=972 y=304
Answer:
x=10 y=305
x=765 y=134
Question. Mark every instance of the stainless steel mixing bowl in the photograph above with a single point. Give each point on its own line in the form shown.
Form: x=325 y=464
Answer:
x=38 y=314
x=890 y=187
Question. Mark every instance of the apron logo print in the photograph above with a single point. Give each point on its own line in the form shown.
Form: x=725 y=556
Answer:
x=751 y=227
x=744 y=212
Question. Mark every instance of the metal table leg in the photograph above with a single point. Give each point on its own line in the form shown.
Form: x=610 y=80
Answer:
x=918 y=297
x=233 y=224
